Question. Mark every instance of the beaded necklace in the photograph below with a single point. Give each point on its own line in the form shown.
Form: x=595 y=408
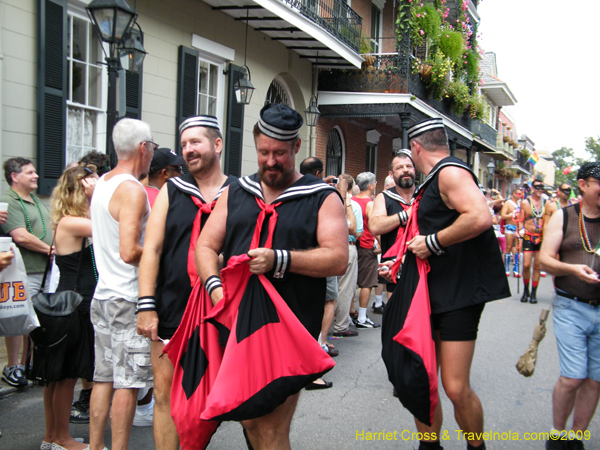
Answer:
x=536 y=214
x=93 y=259
x=585 y=240
x=29 y=227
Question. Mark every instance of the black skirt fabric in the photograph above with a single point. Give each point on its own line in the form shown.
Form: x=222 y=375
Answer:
x=73 y=357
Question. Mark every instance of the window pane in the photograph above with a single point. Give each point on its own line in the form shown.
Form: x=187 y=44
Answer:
x=203 y=107
x=203 y=83
x=212 y=106
x=74 y=126
x=95 y=93
x=78 y=83
x=89 y=130
x=79 y=39
x=213 y=80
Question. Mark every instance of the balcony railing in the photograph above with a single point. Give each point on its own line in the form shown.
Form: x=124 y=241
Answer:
x=386 y=74
x=334 y=16
x=484 y=132
x=383 y=75
x=522 y=163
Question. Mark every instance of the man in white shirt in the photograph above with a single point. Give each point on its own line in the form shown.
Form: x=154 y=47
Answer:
x=119 y=210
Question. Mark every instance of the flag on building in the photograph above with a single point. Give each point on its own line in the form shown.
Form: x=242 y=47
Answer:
x=534 y=158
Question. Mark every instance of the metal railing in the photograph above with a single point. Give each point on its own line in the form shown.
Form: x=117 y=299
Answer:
x=485 y=132
x=334 y=16
x=379 y=73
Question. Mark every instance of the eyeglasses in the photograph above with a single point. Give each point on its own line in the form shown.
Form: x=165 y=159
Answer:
x=153 y=143
x=176 y=169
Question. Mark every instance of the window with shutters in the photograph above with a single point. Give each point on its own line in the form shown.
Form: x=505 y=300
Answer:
x=84 y=92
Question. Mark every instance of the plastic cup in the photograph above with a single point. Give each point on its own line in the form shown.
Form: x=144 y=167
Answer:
x=5 y=244
x=3 y=206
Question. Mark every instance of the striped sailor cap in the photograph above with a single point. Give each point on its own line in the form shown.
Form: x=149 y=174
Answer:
x=423 y=127
x=279 y=122
x=405 y=152
x=199 y=121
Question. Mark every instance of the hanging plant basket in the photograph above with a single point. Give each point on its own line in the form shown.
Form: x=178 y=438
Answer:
x=369 y=60
x=425 y=71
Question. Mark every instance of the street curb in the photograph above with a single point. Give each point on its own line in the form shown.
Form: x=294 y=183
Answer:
x=6 y=391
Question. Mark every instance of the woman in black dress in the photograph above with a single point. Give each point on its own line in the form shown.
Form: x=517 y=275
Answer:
x=59 y=371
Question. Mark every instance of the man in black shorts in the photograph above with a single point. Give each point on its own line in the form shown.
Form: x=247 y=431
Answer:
x=457 y=239
x=388 y=209
x=165 y=284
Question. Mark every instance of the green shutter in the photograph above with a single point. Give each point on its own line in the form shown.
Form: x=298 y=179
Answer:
x=235 y=128
x=51 y=93
x=133 y=94
x=187 y=98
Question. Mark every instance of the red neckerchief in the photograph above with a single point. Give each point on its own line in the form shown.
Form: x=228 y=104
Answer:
x=264 y=211
x=203 y=208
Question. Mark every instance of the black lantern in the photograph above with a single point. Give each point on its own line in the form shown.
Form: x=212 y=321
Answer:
x=312 y=113
x=132 y=52
x=491 y=169
x=243 y=87
x=111 y=19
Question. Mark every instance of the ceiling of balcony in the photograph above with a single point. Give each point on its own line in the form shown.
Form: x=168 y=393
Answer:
x=295 y=31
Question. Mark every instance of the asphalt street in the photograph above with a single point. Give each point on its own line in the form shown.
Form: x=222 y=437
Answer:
x=516 y=408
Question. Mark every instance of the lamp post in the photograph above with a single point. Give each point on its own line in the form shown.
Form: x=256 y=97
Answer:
x=491 y=169
x=112 y=20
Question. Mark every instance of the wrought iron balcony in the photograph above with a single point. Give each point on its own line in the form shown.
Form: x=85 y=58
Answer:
x=522 y=164
x=484 y=132
x=379 y=73
x=335 y=16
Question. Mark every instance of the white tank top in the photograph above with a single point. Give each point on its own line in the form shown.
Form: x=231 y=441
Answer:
x=116 y=278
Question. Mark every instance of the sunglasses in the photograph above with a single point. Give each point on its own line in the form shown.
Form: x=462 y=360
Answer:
x=154 y=144
x=538 y=187
x=566 y=191
x=176 y=169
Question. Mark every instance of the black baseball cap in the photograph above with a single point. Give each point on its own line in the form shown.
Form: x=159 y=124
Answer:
x=164 y=157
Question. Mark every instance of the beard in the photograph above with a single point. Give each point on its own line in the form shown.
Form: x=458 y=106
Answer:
x=403 y=182
x=279 y=180
x=203 y=164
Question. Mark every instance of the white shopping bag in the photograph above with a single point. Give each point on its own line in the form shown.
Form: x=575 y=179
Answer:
x=17 y=317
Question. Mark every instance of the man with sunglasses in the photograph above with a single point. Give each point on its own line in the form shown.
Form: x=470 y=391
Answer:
x=119 y=211
x=535 y=212
x=165 y=164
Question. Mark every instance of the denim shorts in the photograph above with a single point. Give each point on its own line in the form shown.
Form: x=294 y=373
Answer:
x=577 y=331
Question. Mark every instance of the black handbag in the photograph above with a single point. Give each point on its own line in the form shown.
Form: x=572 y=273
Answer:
x=57 y=313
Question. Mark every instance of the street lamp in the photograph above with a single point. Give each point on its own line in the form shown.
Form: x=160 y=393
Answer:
x=491 y=169
x=312 y=113
x=132 y=51
x=112 y=20
x=243 y=87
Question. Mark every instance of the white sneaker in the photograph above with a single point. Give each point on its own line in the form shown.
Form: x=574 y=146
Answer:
x=144 y=417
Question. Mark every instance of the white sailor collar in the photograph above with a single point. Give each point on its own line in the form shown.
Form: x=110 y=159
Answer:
x=448 y=161
x=391 y=193
x=187 y=184
x=307 y=185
